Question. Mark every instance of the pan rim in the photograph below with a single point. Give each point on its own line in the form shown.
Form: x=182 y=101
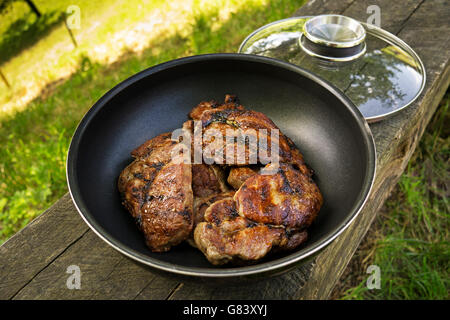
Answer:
x=277 y=264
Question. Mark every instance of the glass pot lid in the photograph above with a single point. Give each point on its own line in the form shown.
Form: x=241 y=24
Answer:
x=379 y=72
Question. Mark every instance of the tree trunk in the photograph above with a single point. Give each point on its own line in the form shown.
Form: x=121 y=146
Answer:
x=33 y=8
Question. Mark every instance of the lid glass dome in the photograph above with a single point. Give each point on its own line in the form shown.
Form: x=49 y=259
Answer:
x=379 y=72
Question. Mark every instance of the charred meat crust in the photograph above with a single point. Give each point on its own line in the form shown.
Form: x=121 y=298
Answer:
x=158 y=194
x=233 y=117
x=207 y=180
x=288 y=198
x=201 y=204
x=226 y=237
x=238 y=175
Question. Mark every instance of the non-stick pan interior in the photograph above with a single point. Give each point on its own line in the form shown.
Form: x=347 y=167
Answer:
x=329 y=132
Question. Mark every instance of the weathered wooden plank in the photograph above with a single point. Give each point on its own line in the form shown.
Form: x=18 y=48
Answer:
x=282 y=287
x=158 y=287
x=394 y=14
x=36 y=246
x=315 y=7
x=105 y=273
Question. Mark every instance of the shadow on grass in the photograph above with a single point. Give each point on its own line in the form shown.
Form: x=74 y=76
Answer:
x=26 y=31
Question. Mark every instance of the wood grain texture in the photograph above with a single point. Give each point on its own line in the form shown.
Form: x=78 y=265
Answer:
x=36 y=246
x=282 y=287
x=33 y=263
x=104 y=273
x=315 y=7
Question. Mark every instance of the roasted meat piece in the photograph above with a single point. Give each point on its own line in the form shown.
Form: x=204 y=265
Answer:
x=231 y=102
x=225 y=236
x=238 y=175
x=288 y=198
x=208 y=180
x=157 y=192
x=248 y=133
x=201 y=204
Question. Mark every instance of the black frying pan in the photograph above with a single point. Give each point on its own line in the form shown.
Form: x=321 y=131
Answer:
x=328 y=129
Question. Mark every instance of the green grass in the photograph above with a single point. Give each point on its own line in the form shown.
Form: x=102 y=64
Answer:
x=35 y=140
x=411 y=245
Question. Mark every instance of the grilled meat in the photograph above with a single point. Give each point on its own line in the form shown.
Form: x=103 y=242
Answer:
x=225 y=236
x=200 y=206
x=208 y=180
x=238 y=175
x=288 y=198
x=157 y=192
x=270 y=210
x=231 y=102
x=248 y=135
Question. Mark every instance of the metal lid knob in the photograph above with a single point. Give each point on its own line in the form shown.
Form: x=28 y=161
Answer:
x=334 y=38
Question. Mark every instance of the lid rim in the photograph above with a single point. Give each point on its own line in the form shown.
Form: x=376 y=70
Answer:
x=372 y=30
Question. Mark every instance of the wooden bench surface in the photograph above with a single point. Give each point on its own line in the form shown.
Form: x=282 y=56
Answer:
x=33 y=263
